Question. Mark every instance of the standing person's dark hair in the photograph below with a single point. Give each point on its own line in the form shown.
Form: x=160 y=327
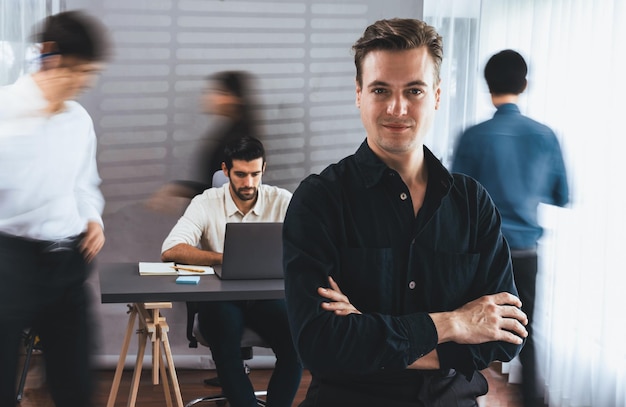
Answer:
x=51 y=212
x=75 y=33
x=505 y=73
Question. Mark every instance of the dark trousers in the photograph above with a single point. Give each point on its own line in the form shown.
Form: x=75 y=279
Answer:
x=43 y=287
x=398 y=389
x=222 y=323
x=525 y=271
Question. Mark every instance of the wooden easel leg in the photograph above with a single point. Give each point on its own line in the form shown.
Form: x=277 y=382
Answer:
x=134 y=387
x=164 y=380
x=170 y=366
x=120 y=363
x=156 y=347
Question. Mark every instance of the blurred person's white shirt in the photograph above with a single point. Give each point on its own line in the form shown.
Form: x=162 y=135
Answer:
x=49 y=182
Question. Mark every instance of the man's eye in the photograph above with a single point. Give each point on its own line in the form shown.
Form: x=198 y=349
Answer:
x=378 y=91
x=415 y=91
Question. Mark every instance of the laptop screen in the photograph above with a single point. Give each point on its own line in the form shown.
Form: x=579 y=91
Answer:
x=252 y=250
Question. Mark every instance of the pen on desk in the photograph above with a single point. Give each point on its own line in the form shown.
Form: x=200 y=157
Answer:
x=187 y=269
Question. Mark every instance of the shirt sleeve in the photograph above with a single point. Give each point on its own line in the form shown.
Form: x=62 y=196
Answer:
x=495 y=276
x=328 y=344
x=559 y=192
x=189 y=228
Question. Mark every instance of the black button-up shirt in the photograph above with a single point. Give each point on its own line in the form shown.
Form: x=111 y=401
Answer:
x=355 y=222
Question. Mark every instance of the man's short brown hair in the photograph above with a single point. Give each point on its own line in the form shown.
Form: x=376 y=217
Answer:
x=395 y=35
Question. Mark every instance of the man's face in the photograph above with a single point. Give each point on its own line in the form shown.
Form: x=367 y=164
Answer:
x=85 y=74
x=219 y=101
x=245 y=178
x=75 y=74
x=398 y=99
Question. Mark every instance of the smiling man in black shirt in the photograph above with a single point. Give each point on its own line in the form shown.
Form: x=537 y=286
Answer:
x=398 y=280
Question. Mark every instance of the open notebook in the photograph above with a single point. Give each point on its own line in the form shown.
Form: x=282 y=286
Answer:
x=172 y=269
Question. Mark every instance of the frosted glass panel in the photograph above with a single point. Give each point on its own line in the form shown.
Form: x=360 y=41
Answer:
x=17 y=18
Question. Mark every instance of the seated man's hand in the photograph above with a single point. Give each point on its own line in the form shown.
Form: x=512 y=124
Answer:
x=489 y=318
x=339 y=303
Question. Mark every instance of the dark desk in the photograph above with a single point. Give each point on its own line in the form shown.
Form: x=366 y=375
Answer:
x=121 y=282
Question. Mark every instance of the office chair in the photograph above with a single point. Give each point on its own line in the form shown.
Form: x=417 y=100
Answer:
x=31 y=343
x=248 y=340
x=219 y=179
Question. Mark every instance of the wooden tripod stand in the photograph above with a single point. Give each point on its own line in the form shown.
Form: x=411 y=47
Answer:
x=154 y=327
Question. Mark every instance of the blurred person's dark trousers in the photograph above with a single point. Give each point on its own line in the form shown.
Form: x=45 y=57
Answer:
x=42 y=286
x=525 y=271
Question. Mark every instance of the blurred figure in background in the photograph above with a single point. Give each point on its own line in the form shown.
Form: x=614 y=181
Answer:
x=50 y=208
x=519 y=162
x=227 y=97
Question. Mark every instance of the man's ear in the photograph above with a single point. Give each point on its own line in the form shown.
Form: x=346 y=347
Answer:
x=50 y=57
x=357 y=101
x=225 y=169
x=49 y=47
x=437 y=96
x=264 y=165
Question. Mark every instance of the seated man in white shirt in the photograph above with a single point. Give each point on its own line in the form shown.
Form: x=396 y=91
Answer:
x=242 y=199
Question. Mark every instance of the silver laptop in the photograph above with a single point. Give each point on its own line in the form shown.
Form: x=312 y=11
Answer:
x=252 y=250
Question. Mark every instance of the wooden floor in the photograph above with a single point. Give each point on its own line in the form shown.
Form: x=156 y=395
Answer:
x=501 y=393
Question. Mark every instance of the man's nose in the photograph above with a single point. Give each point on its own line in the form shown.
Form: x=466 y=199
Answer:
x=398 y=106
x=248 y=181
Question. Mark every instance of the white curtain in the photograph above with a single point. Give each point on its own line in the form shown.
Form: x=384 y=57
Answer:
x=576 y=51
x=17 y=19
x=458 y=23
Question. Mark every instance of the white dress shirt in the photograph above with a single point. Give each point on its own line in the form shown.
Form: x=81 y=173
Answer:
x=204 y=220
x=49 y=182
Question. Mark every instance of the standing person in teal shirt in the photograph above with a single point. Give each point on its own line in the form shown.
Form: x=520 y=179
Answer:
x=519 y=162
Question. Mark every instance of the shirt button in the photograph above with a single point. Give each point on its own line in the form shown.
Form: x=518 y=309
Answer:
x=412 y=285
x=403 y=196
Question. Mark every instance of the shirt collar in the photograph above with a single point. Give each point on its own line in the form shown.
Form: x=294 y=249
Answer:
x=231 y=207
x=373 y=168
x=507 y=108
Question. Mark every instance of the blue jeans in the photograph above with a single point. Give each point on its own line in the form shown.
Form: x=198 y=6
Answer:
x=222 y=323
